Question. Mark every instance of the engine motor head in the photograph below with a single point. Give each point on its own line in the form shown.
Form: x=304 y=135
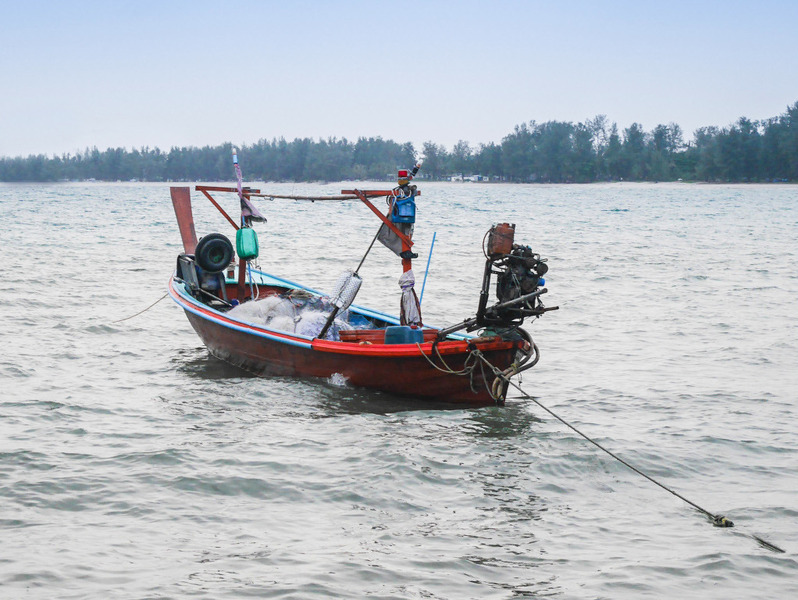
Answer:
x=520 y=274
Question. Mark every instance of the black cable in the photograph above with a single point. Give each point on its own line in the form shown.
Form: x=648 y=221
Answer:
x=142 y=311
x=362 y=260
x=717 y=520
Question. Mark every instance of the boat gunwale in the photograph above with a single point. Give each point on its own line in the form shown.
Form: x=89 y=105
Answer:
x=188 y=303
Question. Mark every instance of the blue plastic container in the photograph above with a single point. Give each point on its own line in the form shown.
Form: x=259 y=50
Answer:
x=404 y=210
x=403 y=334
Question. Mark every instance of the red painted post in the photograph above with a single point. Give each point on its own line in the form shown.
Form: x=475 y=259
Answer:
x=181 y=200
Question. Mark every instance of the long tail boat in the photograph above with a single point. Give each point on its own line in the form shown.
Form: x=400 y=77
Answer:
x=268 y=325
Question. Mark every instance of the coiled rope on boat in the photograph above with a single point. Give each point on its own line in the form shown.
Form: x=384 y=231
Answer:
x=469 y=365
x=497 y=390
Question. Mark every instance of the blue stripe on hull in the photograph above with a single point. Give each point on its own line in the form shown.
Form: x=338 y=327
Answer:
x=267 y=279
x=187 y=305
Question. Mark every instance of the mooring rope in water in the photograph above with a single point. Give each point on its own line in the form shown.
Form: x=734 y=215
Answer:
x=141 y=311
x=717 y=520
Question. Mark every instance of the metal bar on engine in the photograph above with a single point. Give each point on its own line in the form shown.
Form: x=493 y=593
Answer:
x=518 y=300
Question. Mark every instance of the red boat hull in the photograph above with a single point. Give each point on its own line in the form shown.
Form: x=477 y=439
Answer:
x=398 y=369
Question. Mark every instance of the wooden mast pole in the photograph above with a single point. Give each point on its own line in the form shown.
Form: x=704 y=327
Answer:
x=242 y=264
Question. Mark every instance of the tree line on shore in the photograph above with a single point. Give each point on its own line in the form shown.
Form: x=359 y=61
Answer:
x=550 y=152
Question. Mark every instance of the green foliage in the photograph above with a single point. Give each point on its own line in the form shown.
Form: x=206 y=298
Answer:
x=547 y=152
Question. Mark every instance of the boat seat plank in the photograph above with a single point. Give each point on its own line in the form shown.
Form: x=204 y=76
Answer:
x=377 y=336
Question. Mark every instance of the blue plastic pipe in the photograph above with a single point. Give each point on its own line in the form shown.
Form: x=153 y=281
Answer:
x=429 y=258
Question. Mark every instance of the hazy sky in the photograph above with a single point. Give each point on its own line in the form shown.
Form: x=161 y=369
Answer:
x=138 y=73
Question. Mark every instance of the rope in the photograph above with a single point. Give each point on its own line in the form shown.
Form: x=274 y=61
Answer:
x=447 y=369
x=141 y=311
x=252 y=285
x=469 y=366
x=497 y=398
x=717 y=520
x=315 y=198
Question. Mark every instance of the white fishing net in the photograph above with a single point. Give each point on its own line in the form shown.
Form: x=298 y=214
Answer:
x=284 y=314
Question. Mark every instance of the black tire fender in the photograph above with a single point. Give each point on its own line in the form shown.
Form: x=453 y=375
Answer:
x=213 y=253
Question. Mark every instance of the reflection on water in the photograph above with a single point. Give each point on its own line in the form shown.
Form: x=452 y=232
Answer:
x=512 y=422
x=198 y=362
x=333 y=397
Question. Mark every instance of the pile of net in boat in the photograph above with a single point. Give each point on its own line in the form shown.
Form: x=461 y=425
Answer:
x=298 y=313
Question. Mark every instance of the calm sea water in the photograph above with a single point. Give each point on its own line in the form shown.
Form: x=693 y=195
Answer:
x=133 y=465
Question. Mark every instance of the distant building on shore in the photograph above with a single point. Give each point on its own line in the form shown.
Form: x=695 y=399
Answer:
x=459 y=177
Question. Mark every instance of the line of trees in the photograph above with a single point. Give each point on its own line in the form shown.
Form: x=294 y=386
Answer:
x=276 y=160
x=554 y=151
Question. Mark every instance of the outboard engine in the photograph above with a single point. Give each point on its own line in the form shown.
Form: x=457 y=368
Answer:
x=519 y=281
x=519 y=284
